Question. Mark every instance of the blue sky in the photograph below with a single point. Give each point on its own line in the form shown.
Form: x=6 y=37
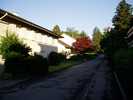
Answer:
x=80 y=14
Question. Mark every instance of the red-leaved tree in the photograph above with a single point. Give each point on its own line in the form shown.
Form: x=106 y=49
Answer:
x=82 y=45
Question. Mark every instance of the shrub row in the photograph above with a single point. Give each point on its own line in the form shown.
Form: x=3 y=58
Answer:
x=123 y=59
x=56 y=58
x=19 y=65
x=123 y=65
x=80 y=57
x=18 y=61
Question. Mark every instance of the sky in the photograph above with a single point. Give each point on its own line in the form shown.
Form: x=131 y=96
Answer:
x=79 y=14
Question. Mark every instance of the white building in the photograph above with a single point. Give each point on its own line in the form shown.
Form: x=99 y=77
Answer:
x=41 y=40
x=68 y=40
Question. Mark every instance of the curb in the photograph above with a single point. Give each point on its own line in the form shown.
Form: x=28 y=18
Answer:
x=124 y=96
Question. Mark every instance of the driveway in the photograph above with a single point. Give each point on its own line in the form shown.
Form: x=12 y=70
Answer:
x=91 y=80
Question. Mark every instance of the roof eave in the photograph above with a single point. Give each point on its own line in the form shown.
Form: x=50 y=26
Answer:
x=22 y=20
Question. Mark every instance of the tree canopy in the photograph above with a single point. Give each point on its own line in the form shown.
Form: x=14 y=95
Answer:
x=114 y=39
x=56 y=30
x=83 y=34
x=82 y=45
x=97 y=36
x=10 y=43
x=75 y=33
x=122 y=19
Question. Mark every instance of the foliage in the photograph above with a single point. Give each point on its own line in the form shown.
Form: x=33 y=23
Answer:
x=97 y=36
x=56 y=29
x=19 y=65
x=37 y=65
x=74 y=60
x=83 y=57
x=122 y=19
x=108 y=43
x=115 y=46
x=114 y=39
x=83 y=34
x=131 y=21
x=76 y=57
x=11 y=43
x=123 y=59
x=18 y=62
x=20 y=48
x=121 y=22
x=82 y=45
x=74 y=33
x=55 y=58
x=15 y=64
x=62 y=66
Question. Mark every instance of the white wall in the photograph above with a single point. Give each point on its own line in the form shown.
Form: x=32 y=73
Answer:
x=39 y=43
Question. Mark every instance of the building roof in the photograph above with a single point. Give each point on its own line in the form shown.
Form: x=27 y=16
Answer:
x=67 y=40
x=12 y=18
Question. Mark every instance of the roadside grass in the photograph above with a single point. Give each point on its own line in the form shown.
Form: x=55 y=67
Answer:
x=74 y=60
x=78 y=59
x=62 y=66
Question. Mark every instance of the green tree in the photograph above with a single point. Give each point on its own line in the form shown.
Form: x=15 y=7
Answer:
x=107 y=43
x=115 y=40
x=83 y=34
x=97 y=36
x=122 y=23
x=72 y=32
x=122 y=19
x=56 y=29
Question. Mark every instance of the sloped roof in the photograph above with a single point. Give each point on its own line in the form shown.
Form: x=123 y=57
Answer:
x=67 y=40
x=12 y=18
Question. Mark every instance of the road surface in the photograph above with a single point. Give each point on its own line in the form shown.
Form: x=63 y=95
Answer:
x=91 y=80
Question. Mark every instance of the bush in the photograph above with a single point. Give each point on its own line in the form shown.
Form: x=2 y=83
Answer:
x=19 y=65
x=18 y=62
x=37 y=65
x=82 y=57
x=123 y=59
x=11 y=43
x=55 y=58
x=15 y=64
x=76 y=57
x=20 y=48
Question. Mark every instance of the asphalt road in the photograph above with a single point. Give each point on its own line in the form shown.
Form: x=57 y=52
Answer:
x=91 y=80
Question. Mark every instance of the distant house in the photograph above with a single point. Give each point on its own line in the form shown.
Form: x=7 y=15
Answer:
x=130 y=37
x=41 y=40
x=67 y=42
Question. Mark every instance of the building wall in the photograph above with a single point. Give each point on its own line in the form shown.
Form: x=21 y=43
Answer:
x=41 y=44
x=130 y=37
